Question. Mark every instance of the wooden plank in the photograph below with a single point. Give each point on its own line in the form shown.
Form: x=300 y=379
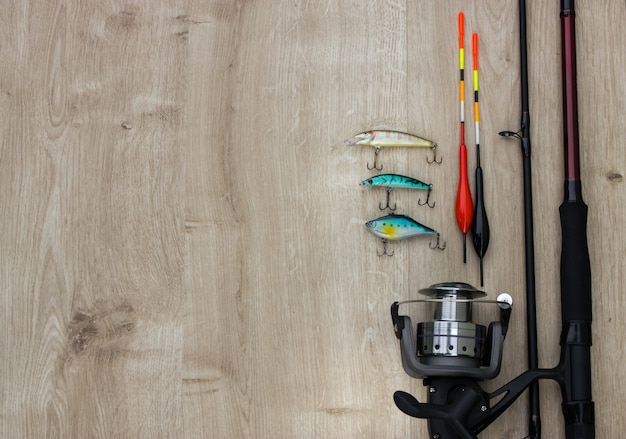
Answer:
x=92 y=235
x=183 y=248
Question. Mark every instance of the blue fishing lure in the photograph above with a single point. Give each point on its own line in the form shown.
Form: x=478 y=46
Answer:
x=391 y=181
x=394 y=227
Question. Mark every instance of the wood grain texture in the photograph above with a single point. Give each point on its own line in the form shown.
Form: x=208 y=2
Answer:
x=183 y=250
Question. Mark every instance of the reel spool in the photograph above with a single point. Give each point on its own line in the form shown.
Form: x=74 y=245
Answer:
x=452 y=338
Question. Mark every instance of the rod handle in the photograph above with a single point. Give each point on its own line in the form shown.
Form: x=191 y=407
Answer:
x=578 y=406
x=575 y=264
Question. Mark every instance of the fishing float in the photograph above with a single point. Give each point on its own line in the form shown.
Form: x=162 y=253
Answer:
x=480 y=224
x=464 y=208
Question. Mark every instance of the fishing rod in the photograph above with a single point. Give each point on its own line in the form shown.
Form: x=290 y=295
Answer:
x=529 y=247
x=453 y=353
x=464 y=206
x=576 y=316
x=480 y=224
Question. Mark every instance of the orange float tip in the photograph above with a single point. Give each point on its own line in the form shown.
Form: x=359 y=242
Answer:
x=475 y=49
x=461 y=29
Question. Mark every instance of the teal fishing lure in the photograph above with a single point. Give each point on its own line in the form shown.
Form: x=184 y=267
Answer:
x=391 y=181
x=394 y=227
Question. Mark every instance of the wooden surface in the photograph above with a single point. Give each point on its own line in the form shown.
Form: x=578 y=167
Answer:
x=183 y=250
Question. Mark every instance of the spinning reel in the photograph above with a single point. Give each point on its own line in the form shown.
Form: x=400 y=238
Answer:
x=452 y=353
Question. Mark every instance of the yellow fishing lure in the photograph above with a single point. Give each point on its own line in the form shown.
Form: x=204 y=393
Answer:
x=389 y=138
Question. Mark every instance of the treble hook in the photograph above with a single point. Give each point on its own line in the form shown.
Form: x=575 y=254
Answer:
x=376 y=151
x=381 y=207
x=434 y=160
x=419 y=202
x=384 y=253
x=437 y=246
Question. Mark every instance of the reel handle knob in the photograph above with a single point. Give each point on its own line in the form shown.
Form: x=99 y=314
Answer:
x=505 y=301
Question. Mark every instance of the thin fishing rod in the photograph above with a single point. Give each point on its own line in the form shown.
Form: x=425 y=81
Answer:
x=464 y=207
x=578 y=406
x=529 y=247
x=480 y=224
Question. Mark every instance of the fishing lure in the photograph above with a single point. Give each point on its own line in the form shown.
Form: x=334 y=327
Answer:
x=394 y=227
x=388 y=138
x=391 y=181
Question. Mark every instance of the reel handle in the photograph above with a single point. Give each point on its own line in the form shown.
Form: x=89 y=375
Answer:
x=445 y=420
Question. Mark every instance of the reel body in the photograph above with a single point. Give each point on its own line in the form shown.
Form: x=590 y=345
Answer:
x=452 y=353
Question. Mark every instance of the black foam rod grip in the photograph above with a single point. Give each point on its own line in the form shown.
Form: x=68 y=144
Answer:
x=575 y=265
x=578 y=406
